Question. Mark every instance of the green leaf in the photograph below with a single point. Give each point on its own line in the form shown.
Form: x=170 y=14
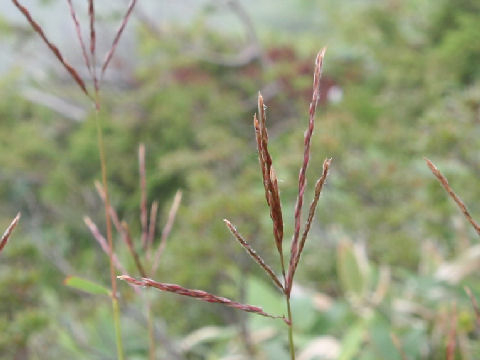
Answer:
x=86 y=285
x=381 y=340
x=269 y=298
x=352 y=340
x=349 y=270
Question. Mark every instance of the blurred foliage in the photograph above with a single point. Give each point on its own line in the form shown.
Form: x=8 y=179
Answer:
x=389 y=253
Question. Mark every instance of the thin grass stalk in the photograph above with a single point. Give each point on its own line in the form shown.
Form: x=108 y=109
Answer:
x=306 y=158
x=308 y=224
x=53 y=48
x=37 y=28
x=116 y=40
x=166 y=230
x=143 y=194
x=452 y=336
x=133 y=252
x=254 y=254
x=118 y=329
x=147 y=232
x=113 y=212
x=291 y=344
x=8 y=231
x=461 y=205
x=104 y=245
x=151 y=330
x=102 y=242
x=79 y=36
x=103 y=164
x=474 y=302
x=93 y=41
x=197 y=294
x=152 y=227
x=91 y=16
x=313 y=207
x=122 y=228
x=398 y=345
x=294 y=250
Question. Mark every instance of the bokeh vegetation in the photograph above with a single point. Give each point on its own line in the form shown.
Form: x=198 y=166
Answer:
x=389 y=254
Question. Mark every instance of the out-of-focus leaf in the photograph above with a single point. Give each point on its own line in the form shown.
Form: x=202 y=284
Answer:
x=276 y=349
x=323 y=347
x=269 y=299
x=383 y=284
x=86 y=285
x=382 y=341
x=349 y=271
x=352 y=341
x=413 y=342
x=305 y=313
x=464 y=265
x=205 y=334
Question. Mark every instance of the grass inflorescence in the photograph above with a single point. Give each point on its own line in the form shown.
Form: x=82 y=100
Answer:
x=91 y=64
x=272 y=196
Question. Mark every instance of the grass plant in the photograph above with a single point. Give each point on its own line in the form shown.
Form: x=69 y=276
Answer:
x=452 y=334
x=146 y=261
x=272 y=195
x=147 y=255
x=91 y=64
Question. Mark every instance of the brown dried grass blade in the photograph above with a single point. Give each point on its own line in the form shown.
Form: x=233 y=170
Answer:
x=474 y=302
x=254 y=254
x=93 y=42
x=111 y=52
x=143 y=194
x=197 y=294
x=461 y=205
x=8 y=232
x=166 y=230
x=102 y=242
x=131 y=248
x=79 y=35
x=294 y=260
x=152 y=225
x=54 y=49
x=270 y=182
x=306 y=153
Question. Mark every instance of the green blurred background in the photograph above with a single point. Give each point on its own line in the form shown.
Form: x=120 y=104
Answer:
x=389 y=253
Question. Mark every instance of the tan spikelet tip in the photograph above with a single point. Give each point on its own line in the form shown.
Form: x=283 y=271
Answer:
x=8 y=232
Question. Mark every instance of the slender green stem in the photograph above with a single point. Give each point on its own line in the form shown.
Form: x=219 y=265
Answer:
x=289 y=311
x=103 y=163
x=290 y=329
x=118 y=332
x=151 y=331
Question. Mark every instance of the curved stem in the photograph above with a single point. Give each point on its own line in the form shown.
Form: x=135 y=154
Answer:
x=103 y=163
